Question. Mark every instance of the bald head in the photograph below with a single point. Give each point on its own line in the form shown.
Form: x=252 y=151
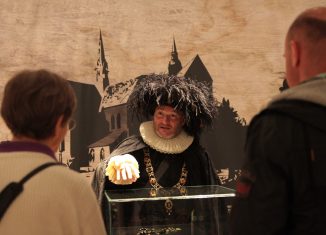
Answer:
x=310 y=24
x=306 y=45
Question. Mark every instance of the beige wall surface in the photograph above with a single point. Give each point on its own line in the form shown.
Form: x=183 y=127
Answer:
x=240 y=42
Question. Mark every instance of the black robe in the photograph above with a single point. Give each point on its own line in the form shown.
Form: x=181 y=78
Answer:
x=200 y=172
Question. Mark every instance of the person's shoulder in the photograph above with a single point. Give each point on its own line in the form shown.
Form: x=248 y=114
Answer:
x=289 y=113
x=197 y=150
x=128 y=145
x=275 y=127
x=273 y=114
x=269 y=127
x=131 y=139
x=61 y=180
x=62 y=172
x=196 y=145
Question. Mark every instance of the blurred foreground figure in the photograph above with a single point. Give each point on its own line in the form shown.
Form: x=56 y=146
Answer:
x=37 y=107
x=282 y=188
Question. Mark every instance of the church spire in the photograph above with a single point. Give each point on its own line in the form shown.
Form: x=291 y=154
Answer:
x=174 y=47
x=102 y=67
x=174 y=64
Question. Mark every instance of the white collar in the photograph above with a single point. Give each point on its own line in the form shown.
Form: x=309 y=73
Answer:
x=175 y=145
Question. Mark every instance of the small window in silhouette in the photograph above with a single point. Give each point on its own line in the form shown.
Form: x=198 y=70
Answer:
x=112 y=122
x=102 y=154
x=91 y=155
x=118 y=121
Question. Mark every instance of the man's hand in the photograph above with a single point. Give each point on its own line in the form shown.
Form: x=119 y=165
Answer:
x=122 y=169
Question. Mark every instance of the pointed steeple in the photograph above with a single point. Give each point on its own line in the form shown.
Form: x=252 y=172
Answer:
x=174 y=47
x=174 y=64
x=102 y=67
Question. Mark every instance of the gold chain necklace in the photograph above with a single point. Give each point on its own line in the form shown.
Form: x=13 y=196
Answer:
x=156 y=186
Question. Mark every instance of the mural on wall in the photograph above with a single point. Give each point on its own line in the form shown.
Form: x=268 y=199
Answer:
x=108 y=121
x=105 y=47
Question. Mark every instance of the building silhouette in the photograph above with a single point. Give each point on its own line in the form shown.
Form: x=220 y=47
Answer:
x=91 y=125
x=174 y=64
x=196 y=70
x=102 y=67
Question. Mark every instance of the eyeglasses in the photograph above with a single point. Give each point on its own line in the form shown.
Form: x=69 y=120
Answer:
x=72 y=124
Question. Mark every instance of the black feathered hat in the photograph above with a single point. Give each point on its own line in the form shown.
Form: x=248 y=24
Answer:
x=194 y=99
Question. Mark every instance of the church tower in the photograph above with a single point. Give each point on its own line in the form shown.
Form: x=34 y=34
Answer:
x=102 y=68
x=174 y=64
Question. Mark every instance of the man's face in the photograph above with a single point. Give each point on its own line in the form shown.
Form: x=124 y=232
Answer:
x=168 y=122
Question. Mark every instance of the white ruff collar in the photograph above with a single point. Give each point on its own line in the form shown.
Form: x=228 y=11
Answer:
x=175 y=145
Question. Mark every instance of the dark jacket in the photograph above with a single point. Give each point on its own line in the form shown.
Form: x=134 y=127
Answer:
x=282 y=188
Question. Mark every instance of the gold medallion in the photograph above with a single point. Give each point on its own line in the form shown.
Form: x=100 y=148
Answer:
x=168 y=206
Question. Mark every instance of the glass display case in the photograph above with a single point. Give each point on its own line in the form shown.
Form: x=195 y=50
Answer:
x=189 y=210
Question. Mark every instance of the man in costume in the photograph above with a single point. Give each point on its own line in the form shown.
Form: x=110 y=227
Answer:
x=167 y=153
x=282 y=187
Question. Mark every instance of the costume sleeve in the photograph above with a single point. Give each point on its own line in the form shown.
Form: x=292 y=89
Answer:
x=98 y=181
x=261 y=205
x=129 y=145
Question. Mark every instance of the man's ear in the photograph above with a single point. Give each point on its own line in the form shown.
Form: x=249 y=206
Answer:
x=295 y=53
